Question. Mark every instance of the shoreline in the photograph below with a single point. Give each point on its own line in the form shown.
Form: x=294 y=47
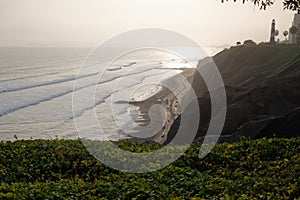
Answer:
x=166 y=98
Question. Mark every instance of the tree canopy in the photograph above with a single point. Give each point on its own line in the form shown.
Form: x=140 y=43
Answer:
x=293 y=30
x=263 y=4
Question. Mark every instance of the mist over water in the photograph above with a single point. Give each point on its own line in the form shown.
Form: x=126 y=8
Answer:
x=36 y=86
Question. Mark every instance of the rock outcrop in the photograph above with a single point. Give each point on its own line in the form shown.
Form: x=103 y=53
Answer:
x=286 y=126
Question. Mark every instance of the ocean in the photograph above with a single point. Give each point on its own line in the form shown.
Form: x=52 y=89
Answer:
x=36 y=86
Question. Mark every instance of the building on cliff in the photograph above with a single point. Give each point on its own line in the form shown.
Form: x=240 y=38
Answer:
x=295 y=38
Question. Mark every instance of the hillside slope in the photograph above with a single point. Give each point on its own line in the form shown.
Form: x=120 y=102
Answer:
x=249 y=66
x=263 y=90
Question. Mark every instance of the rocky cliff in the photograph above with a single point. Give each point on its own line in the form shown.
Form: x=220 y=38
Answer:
x=263 y=91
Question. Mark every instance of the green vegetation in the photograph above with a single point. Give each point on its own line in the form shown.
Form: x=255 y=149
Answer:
x=64 y=169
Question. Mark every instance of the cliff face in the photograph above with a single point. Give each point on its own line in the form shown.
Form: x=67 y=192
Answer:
x=262 y=84
x=248 y=66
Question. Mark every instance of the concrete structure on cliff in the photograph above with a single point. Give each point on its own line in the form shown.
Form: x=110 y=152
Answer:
x=295 y=38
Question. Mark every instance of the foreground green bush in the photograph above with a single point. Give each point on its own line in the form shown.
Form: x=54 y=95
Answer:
x=64 y=169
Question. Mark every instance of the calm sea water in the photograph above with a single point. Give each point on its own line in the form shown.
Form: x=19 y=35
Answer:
x=36 y=86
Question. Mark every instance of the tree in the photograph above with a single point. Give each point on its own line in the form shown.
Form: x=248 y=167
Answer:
x=276 y=34
x=293 y=30
x=238 y=43
x=263 y=4
x=285 y=34
x=249 y=42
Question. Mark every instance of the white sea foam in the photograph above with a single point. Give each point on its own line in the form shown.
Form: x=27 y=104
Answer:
x=36 y=86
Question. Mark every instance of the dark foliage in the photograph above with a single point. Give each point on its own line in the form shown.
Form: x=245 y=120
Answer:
x=64 y=169
x=263 y=4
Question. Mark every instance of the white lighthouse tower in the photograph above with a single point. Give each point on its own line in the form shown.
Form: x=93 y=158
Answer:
x=272 y=38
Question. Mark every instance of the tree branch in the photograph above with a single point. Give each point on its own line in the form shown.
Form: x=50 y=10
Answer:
x=263 y=4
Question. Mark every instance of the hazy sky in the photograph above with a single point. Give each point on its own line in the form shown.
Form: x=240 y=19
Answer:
x=90 y=22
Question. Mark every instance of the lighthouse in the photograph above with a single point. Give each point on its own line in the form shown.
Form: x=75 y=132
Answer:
x=272 y=38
